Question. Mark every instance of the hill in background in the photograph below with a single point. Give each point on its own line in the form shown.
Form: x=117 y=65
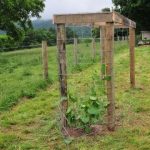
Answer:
x=81 y=31
x=43 y=24
x=39 y=24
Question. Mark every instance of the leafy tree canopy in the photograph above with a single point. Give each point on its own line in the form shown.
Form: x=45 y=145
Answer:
x=138 y=10
x=106 y=9
x=15 y=15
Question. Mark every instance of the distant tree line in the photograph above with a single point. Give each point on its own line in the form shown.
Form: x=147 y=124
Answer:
x=15 y=15
x=33 y=38
x=15 y=21
x=137 y=10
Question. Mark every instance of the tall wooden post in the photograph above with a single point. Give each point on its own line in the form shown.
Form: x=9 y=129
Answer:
x=132 y=56
x=109 y=56
x=75 y=51
x=61 y=43
x=45 y=59
x=93 y=48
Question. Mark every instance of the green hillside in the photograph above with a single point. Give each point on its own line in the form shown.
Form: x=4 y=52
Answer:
x=82 y=31
x=42 y=24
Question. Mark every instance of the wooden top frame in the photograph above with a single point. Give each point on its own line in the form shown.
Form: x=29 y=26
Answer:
x=96 y=19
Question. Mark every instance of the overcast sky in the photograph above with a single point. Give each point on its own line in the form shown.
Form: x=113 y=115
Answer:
x=73 y=6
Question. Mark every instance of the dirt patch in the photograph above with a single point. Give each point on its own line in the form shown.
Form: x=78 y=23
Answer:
x=94 y=130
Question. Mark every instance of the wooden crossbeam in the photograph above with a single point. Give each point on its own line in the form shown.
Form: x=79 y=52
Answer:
x=97 y=19
x=123 y=21
x=116 y=25
x=89 y=18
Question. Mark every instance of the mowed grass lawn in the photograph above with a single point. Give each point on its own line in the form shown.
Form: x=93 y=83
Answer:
x=32 y=122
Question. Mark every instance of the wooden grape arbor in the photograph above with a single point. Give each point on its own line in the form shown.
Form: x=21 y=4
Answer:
x=107 y=22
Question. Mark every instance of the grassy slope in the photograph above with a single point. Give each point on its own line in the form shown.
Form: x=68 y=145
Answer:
x=21 y=72
x=32 y=124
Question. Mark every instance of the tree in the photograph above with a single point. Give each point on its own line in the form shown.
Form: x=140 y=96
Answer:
x=15 y=15
x=36 y=36
x=96 y=31
x=106 y=9
x=137 y=10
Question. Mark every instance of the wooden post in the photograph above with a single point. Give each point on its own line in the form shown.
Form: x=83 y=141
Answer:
x=93 y=48
x=109 y=52
x=61 y=43
x=75 y=51
x=45 y=59
x=132 y=56
x=102 y=37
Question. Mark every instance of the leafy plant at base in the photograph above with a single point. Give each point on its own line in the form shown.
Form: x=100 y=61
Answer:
x=91 y=109
x=71 y=118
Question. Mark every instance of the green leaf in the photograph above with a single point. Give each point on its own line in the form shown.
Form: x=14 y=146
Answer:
x=93 y=98
x=70 y=115
x=93 y=111
x=83 y=106
x=68 y=141
x=72 y=98
x=69 y=110
x=95 y=120
x=96 y=103
x=105 y=103
x=85 y=119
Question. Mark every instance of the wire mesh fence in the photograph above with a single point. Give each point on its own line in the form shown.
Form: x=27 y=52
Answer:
x=82 y=52
x=85 y=86
x=87 y=97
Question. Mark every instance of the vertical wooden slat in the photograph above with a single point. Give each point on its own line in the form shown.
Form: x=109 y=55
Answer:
x=75 y=51
x=132 y=56
x=45 y=59
x=61 y=43
x=109 y=52
x=93 y=48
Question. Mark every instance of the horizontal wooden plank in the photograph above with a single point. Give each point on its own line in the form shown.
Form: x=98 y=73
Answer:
x=116 y=25
x=96 y=19
x=89 y=18
x=124 y=21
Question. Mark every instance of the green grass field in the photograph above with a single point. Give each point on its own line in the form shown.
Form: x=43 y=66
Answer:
x=29 y=105
x=21 y=72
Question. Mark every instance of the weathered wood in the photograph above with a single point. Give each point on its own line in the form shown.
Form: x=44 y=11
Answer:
x=45 y=59
x=83 y=18
x=95 y=19
x=109 y=52
x=116 y=25
x=122 y=20
x=75 y=52
x=61 y=43
x=93 y=48
x=108 y=21
x=132 y=56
